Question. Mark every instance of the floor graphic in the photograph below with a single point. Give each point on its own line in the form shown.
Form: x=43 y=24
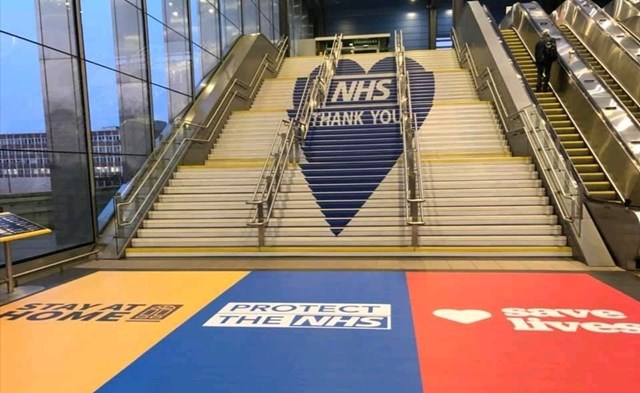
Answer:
x=322 y=332
x=529 y=332
x=354 y=140
x=74 y=337
x=339 y=350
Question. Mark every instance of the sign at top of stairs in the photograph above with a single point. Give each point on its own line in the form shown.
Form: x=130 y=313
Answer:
x=354 y=140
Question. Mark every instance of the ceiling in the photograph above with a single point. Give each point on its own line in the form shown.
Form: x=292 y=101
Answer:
x=350 y=4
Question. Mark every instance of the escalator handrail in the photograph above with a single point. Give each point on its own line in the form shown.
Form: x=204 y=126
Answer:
x=187 y=130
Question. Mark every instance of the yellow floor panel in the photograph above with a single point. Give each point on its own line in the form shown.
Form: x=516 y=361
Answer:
x=96 y=323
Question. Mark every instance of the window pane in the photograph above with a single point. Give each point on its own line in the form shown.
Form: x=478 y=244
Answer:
x=98 y=32
x=22 y=18
x=250 y=17
x=118 y=89
x=265 y=27
x=209 y=35
x=229 y=33
x=37 y=130
x=231 y=9
x=21 y=102
x=276 y=19
x=158 y=53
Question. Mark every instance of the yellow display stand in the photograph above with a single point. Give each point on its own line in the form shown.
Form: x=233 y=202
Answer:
x=14 y=227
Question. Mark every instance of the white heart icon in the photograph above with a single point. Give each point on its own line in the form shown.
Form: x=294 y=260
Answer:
x=462 y=316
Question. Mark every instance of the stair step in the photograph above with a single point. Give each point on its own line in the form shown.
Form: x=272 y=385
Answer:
x=372 y=231
x=465 y=221
x=329 y=240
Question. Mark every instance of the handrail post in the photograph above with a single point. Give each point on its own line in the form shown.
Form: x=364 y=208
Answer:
x=261 y=227
x=410 y=144
x=313 y=96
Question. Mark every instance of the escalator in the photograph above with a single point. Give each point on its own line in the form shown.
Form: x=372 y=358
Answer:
x=627 y=13
x=592 y=174
x=602 y=73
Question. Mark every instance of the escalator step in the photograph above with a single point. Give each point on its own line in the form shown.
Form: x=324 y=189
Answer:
x=583 y=160
x=569 y=137
x=580 y=152
x=598 y=185
x=574 y=144
x=556 y=116
x=593 y=177
x=563 y=127
x=587 y=168
x=607 y=195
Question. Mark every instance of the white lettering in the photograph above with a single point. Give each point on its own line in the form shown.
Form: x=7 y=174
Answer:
x=341 y=90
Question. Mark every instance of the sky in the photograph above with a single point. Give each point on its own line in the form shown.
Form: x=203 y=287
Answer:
x=21 y=99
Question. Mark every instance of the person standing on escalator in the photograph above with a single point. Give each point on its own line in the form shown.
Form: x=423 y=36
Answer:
x=546 y=54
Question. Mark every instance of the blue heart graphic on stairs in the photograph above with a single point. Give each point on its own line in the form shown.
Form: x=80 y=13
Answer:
x=354 y=140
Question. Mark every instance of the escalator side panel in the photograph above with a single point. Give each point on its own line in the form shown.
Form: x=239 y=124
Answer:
x=627 y=14
x=607 y=42
x=609 y=131
x=577 y=149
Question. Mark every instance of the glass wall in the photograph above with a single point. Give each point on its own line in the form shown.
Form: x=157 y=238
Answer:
x=43 y=143
x=300 y=26
x=86 y=88
x=250 y=16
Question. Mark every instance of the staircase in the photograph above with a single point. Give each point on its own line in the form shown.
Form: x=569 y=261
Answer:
x=480 y=200
x=203 y=208
x=347 y=193
x=583 y=159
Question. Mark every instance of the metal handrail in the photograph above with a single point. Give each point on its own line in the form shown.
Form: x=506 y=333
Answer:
x=151 y=181
x=544 y=147
x=313 y=96
x=552 y=162
x=413 y=192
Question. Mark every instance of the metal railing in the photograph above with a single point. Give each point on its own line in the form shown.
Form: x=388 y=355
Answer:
x=133 y=203
x=412 y=164
x=563 y=182
x=291 y=140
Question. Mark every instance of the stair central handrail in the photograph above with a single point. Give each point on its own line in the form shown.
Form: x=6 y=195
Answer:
x=413 y=189
x=284 y=142
x=545 y=149
x=132 y=204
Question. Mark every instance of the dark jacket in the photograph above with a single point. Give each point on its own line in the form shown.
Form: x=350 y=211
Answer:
x=540 y=58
